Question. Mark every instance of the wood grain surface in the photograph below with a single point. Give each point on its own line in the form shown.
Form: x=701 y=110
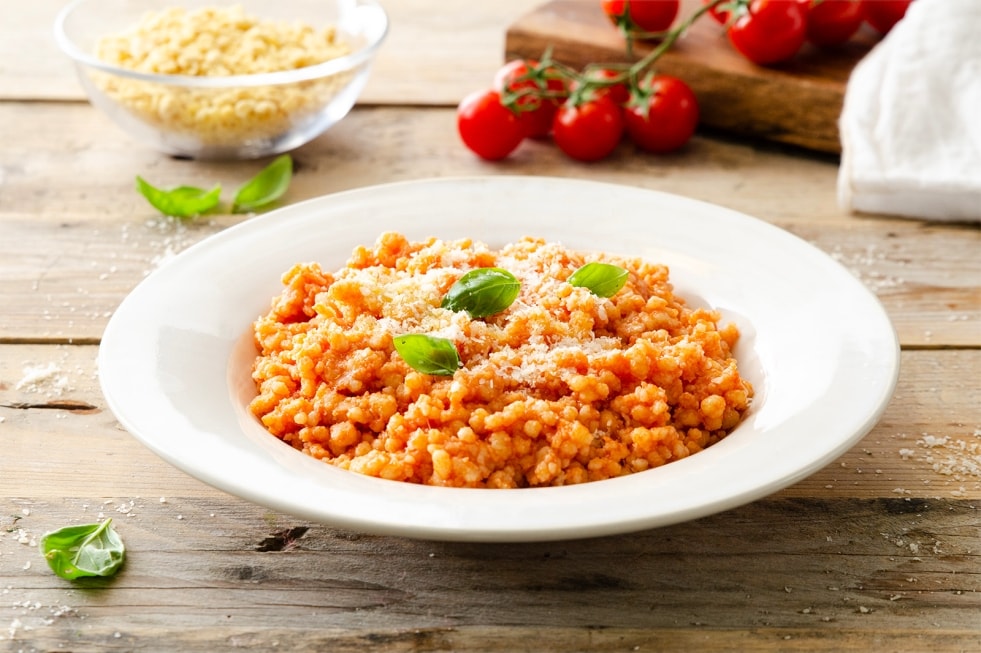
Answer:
x=794 y=102
x=879 y=550
x=212 y=573
x=100 y=237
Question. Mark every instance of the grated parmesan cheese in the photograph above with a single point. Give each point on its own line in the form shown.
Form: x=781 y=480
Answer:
x=562 y=386
x=43 y=378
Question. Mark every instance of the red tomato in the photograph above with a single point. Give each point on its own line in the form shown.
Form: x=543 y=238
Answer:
x=721 y=12
x=590 y=130
x=487 y=127
x=662 y=114
x=884 y=14
x=536 y=113
x=618 y=92
x=769 y=31
x=832 y=22
x=717 y=12
x=642 y=15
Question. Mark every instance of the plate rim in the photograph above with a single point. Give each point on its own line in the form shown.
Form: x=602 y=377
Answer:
x=298 y=210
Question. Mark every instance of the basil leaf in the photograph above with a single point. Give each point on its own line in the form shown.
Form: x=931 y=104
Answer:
x=602 y=279
x=87 y=550
x=428 y=354
x=180 y=202
x=266 y=187
x=482 y=292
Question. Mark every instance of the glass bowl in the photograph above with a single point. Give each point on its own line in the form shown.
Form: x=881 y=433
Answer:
x=224 y=116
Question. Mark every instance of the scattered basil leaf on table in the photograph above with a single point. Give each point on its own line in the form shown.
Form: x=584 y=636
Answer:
x=602 y=279
x=179 y=202
x=482 y=292
x=428 y=354
x=86 y=550
x=266 y=187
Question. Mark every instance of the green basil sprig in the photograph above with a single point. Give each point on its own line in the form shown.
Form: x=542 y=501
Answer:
x=428 y=354
x=86 y=550
x=189 y=201
x=179 y=202
x=602 y=279
x=482 y=292
x=266 y=187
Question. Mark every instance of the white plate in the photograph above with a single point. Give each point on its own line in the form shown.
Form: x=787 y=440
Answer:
x=175 y=358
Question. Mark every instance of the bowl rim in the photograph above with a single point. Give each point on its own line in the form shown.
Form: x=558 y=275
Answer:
x=292 y=76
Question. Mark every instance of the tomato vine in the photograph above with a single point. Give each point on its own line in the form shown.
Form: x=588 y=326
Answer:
x=587 y=112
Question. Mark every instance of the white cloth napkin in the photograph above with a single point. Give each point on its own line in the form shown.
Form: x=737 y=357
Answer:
x=911 y=121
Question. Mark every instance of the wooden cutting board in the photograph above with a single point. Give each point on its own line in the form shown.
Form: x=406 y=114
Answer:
x=796 y=102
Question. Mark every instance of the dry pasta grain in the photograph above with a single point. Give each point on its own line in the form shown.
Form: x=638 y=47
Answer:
x=562 y=387
x=219 y=42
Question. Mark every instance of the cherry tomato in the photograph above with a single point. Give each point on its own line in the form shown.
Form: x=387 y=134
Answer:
x=642 y=15
x=590 y=130
x=832 y=22
x=721 y=12
x=884 y=14
x=536 y=113
x=491 y=130
x=718 y=12
x=618 y=92
x=769 y=31
x=662 y=114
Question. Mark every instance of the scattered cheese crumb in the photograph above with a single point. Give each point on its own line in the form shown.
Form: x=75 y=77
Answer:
x=15 y=625
x=46 y=379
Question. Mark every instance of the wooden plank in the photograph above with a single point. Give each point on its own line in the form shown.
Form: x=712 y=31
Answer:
x=72 y=249
x=852 y=569
x=460 y=49
x=509 y=639
x=61 y=277
x=929 y=296
x=926 y=446
x=906 y=455
x=32 y=65
x=40 y=162
x=796 y=102
x=544 y=639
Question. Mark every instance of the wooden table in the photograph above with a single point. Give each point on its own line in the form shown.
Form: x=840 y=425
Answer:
x=878 y=551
